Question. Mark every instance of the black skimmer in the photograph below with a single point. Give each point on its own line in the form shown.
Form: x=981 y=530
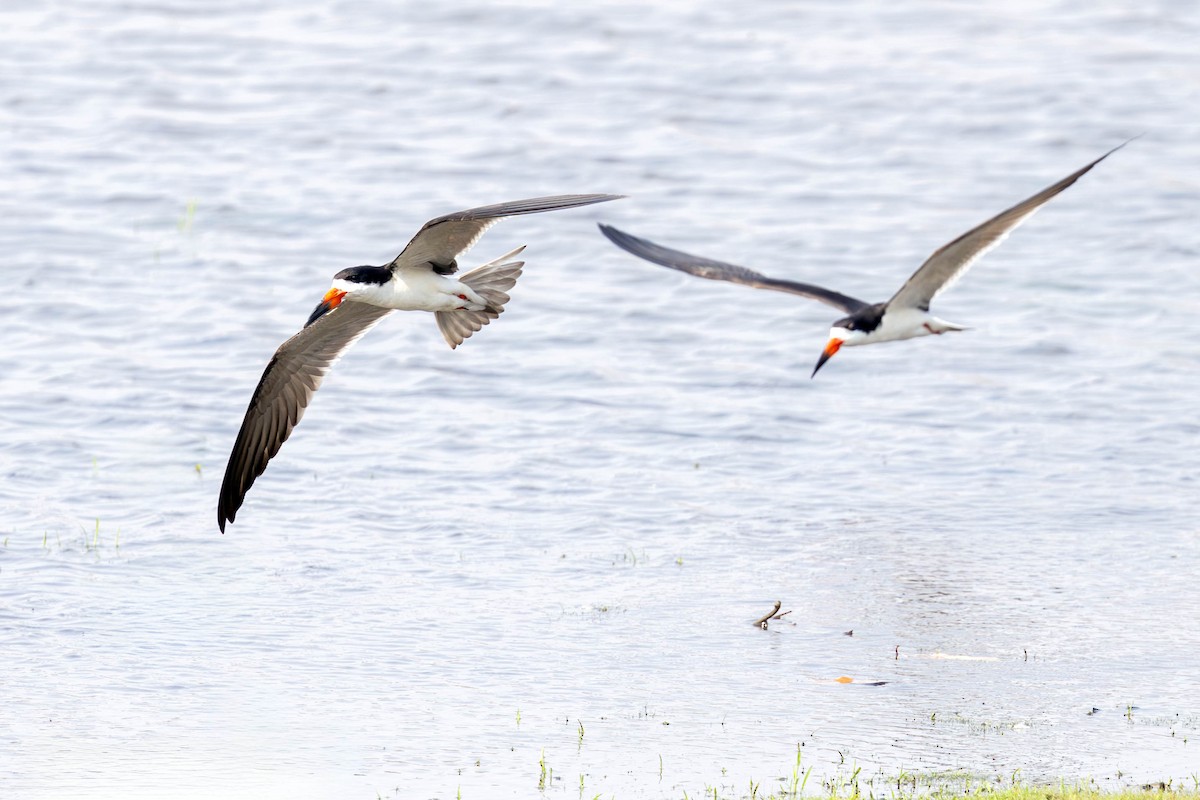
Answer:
x=906 y=315
x=421 y=278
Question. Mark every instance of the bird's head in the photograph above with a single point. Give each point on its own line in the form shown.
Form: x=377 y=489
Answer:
x=351 y=282
x=853 y=330
x=840 y=335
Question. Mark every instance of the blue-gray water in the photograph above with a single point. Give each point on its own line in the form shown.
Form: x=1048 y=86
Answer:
x=460 y=558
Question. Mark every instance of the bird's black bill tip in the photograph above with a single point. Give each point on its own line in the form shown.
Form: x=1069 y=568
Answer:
x=831 y=348
x=321 y=310
x=331 y=300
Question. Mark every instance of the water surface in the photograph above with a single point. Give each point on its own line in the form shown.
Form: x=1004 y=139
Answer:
x=464 y=559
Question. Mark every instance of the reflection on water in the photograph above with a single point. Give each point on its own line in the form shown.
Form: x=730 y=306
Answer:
x=548 y=546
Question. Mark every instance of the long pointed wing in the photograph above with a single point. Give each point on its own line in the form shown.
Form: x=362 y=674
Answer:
x=949 y=262
x=440 y=241
x=288 y=383
x=720 y=271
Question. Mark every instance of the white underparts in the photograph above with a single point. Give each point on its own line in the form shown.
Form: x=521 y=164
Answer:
x=896 y=324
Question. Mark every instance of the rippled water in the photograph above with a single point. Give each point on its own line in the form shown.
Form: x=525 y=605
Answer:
x=549 y=545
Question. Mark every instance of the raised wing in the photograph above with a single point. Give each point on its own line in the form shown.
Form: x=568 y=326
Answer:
x=440 y=241
x=720 y=271
x=949 y=262
x=288 y=383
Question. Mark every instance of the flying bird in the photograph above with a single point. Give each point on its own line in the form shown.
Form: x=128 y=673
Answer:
x=907 y=314
x=421 y=278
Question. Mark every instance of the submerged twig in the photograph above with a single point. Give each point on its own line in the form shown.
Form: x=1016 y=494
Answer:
x=761 y=622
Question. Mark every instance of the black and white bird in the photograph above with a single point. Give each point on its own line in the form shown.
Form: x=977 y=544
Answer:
x=907 y=314
x=421 y=278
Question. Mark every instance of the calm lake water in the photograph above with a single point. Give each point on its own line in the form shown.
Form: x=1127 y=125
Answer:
x=548 y=546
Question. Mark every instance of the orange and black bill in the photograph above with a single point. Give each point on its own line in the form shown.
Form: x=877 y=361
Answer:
x=331 y=300
x=831 y=348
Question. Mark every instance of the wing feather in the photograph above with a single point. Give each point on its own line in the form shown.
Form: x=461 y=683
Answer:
x=720 y=271
x=287 y=385
x=949 y=262
x=442 y=240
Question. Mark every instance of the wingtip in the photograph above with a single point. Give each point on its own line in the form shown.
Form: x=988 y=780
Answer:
x=1069 y=180
x=1130 y=139
x=225 y=501
x=642 y=248
x=224 y=517
x=228 y=505
x=575 y=200
x=614 y=235
x=1118 y=147
x=591 y=199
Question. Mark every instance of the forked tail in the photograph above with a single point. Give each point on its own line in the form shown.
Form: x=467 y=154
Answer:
x=492 y=282
x=942 y=326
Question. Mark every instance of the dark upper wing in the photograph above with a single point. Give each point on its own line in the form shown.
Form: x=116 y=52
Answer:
x=286 y=386
x=720 y=271
x=440 y=241
x=949 y=262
